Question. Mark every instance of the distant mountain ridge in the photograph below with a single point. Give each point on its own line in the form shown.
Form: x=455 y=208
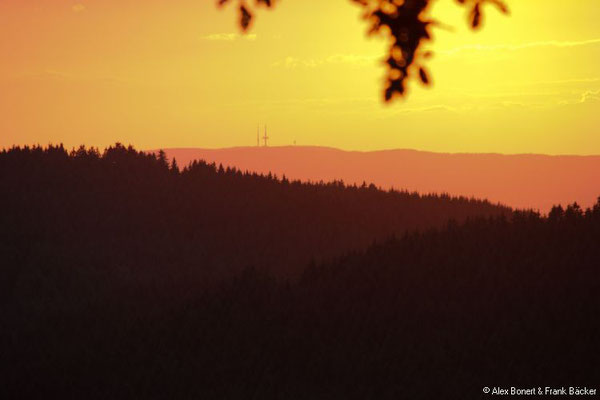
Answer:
x=522 y=180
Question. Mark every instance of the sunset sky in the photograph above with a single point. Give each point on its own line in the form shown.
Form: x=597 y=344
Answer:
x=178 y=73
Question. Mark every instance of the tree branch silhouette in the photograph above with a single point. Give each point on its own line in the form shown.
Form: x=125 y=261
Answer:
x=407 y=26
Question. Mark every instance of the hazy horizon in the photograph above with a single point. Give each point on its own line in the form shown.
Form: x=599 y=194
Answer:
x=526 y=181
x=359 y=151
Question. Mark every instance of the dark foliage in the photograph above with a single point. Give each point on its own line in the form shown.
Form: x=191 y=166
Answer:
x=101 y=292
x=407 y=25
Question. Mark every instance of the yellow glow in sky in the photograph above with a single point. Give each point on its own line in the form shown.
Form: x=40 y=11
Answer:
x=178 y=73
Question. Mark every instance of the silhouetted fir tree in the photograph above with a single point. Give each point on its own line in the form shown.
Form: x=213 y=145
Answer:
x=174 y=167
x=162 y=157
x=556 y=213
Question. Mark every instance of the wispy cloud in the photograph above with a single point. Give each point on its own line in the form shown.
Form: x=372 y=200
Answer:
x=525 y=101
x=434 y=107
x=559 y=82
x=293 y=62
x=61 y=76
x=589 y=96
x=77 y=8
x=522 y=46
x=228 y=37
x=352 y=59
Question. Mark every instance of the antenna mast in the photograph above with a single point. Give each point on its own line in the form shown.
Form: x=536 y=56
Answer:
x=265 y=137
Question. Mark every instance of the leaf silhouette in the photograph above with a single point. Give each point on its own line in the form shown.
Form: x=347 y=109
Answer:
x=245 y=17
x=406 y=25
x=423 y=76
x=476 y=17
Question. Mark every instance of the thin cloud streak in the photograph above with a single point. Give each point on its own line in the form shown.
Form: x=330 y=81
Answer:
x=514 y=47
x=228 y=37
x=291 y=62
x=352 y=59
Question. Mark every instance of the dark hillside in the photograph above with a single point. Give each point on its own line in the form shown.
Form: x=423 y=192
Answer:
x=133 y=214
x=501 y=302
x=439 y=314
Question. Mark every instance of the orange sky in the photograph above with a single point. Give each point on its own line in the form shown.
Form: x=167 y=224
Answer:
x=158 y=73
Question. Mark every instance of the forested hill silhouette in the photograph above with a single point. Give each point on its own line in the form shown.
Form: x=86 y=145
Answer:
x=136 y=213
x=501 y=301
x=520 y=181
